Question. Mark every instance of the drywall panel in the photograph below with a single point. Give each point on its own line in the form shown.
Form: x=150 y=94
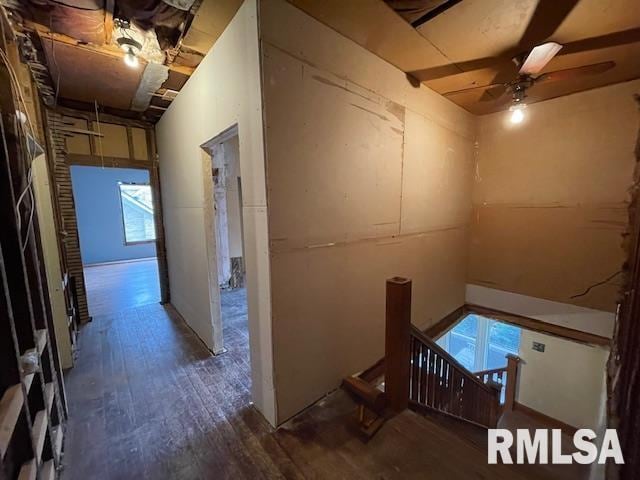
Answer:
x=550 y=198
x=565 y=382
x=437 y=175
x=223 y=91
x=114 y=142
x=139 y=144
x=342 y=168
x=572 y=150
x=51 y=254
x=350 y=146
x=549 y=252
x=329 y=306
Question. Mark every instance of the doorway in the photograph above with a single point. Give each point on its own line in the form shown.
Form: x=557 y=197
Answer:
x=227 y=189
x=227 y=232
x=117 y=233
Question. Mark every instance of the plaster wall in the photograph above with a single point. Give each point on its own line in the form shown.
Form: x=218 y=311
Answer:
x=565 y=382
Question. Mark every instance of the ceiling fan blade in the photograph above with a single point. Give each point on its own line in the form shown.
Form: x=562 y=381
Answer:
x=614 y=39
x=547 y=17
x=472 y=89
x=570 y=73
x=539 y=57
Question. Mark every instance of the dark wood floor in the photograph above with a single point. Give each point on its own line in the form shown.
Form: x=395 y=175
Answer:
x=115 y=287
x=148 y=401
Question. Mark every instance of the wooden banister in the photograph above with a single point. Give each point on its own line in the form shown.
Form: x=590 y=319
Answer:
x=418 y=334
x=512 y=380
x=397 y=329
x=439 y=382
x=366 y=393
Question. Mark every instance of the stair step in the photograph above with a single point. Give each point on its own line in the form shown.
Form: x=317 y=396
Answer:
x=10 y=407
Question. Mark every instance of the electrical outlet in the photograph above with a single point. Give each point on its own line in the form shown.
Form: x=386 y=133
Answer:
x=538 y=347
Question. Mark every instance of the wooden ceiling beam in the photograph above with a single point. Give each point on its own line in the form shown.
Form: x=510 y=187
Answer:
x=108 y=21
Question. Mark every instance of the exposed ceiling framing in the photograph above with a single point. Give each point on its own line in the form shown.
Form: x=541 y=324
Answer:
x=76 y=41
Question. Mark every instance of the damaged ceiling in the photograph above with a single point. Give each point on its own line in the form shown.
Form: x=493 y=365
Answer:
x=456 y=45
x=77 y=40
x=462 y=49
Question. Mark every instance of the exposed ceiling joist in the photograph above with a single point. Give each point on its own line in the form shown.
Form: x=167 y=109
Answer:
x=109 y=50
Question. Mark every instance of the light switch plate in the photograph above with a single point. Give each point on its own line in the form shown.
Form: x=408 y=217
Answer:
x=538 y=347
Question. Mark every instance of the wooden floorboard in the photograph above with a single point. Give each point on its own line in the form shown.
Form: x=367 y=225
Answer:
x=114 y=287
x=148 y=401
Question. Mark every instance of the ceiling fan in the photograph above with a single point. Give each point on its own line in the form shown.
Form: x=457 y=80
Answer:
x=530 y=65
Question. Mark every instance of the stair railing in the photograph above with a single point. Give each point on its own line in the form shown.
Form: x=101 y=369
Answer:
x=421 y=375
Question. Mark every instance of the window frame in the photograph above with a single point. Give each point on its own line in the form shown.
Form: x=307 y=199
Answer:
x=482 y=340
x=128 y=243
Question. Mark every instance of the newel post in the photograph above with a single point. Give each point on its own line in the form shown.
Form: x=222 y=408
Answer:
x=397 y=355
x=512 y=380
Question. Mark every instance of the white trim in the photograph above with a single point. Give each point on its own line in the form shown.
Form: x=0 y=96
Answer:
x=588 y=320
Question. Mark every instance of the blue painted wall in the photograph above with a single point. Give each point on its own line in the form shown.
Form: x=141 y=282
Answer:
x=95 y=191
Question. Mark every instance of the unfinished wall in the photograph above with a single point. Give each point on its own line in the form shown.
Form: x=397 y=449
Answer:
x=234 y=219
x=565 y=382
x=368 y=178
x=51 y=257
x=550 y=200
x=224 y=91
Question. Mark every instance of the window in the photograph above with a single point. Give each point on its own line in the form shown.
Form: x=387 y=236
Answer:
x=137 y=213
x=480 y=343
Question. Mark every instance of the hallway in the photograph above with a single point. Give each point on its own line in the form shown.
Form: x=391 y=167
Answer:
x=147 y=391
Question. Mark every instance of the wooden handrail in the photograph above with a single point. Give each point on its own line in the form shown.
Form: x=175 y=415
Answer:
x=491 y=371
x=439 y=382
x=418 y=334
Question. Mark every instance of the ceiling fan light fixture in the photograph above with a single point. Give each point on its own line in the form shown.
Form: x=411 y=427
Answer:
x=517 y=113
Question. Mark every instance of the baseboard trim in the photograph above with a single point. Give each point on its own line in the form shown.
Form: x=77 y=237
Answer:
x=116 y=262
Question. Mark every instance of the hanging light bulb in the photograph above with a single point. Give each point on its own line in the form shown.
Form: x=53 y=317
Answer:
x=517 y=113
x=131 y=48
x=131 y=59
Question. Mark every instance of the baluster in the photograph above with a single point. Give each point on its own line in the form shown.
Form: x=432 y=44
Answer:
x=423 y=374
x=436 y=392
x=430 y=393
x=415 y=376
x=450 y=379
